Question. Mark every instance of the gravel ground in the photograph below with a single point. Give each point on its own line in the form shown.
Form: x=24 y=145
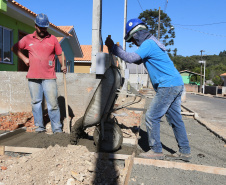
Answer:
x=164 y=176
x=206 y=149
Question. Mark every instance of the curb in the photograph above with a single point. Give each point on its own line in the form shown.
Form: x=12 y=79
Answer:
x=208 y=95
x=205 y=123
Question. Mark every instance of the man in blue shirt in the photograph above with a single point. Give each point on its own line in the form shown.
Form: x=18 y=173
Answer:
x=166 y=81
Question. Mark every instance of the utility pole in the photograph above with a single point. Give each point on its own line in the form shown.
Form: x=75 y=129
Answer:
x=125 y=72
x=201 y=72
x=124 y=33
x=204 y=77
x=124 y=29
x=96 y=32
x=159 y=25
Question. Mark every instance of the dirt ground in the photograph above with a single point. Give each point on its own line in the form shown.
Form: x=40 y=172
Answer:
x=60 y=163
x=69 y=165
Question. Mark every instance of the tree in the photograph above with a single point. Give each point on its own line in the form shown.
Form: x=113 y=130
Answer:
x=175 y=52
x=167 y=34
x=217 y=80
x=222 y=53
x=215 y=66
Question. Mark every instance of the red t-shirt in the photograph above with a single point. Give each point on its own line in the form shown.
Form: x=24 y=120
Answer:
x=41 y=55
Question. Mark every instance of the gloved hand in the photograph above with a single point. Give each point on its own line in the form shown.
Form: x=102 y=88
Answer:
x=109 y=43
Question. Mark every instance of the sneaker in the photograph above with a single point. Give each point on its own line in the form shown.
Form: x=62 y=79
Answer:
x=179 y=156
x=152 y=155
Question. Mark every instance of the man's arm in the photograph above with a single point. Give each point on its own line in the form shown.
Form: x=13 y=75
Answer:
x=20 y=54
x=126 y=56
x=63 y=68
x=118 y=51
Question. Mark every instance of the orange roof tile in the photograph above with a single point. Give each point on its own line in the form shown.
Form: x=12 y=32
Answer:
x=87 y=52
x=66 y=28
x=59 y=38
x=34 y=14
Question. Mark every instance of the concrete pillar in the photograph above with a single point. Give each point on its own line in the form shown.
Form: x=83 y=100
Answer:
x=96 y=32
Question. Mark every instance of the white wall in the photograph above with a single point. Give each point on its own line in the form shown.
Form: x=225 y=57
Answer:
x=139 y=79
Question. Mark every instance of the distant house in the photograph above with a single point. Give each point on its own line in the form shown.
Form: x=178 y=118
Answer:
x=186 y=76
x=16 y=21
x=223 y=76
x=71 y=48
x=83 y=64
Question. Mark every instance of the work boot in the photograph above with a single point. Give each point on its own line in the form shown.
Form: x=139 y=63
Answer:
x=152 y=155
x=179 y=156
x=58 y=132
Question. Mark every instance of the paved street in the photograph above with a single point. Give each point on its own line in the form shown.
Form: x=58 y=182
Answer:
x=210 y=109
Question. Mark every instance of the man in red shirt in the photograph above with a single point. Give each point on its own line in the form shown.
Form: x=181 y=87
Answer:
x=42 y=48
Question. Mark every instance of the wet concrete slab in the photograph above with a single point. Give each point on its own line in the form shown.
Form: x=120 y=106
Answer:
x=21 y=138
x=2 y=131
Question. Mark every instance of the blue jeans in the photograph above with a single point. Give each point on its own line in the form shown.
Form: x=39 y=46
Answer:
x=49 y=88
x=166 y=101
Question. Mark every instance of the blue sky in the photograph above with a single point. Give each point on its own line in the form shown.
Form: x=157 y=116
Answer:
x=189 y=39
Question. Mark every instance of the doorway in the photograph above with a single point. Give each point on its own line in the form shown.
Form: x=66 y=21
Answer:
x=21 y=65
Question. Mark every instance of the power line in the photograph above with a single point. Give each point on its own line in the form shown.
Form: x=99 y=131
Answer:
x=166 y=5
x=202 y=24
x=140 y=5
x=202 y=32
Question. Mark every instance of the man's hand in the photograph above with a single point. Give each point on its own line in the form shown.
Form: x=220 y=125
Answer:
x=109 y=43
x=20 y=54
x=26 y=61
x=64 y=69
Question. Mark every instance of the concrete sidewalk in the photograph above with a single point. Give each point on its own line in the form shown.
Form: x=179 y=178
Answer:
x=209 y=111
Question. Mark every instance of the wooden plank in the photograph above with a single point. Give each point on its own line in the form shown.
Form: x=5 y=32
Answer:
x=129 y=164
x=111 y=156
x=65 y=96
x=129 y=169
x=182 y=166
x=22 y=149
x=2 y=150
x=188 y=113
x=129 y=141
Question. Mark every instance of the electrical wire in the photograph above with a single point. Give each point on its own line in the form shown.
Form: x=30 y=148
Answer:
x=165 y=6
x=202 y=24
x=201 y=31
x=140 y=5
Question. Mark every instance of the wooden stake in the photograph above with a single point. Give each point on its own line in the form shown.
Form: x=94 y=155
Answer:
x=129 y=166
x=2 y=150
x=65 y=95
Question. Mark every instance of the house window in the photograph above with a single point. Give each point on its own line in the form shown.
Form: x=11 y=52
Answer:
x=6 y=41
x=69 y=66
